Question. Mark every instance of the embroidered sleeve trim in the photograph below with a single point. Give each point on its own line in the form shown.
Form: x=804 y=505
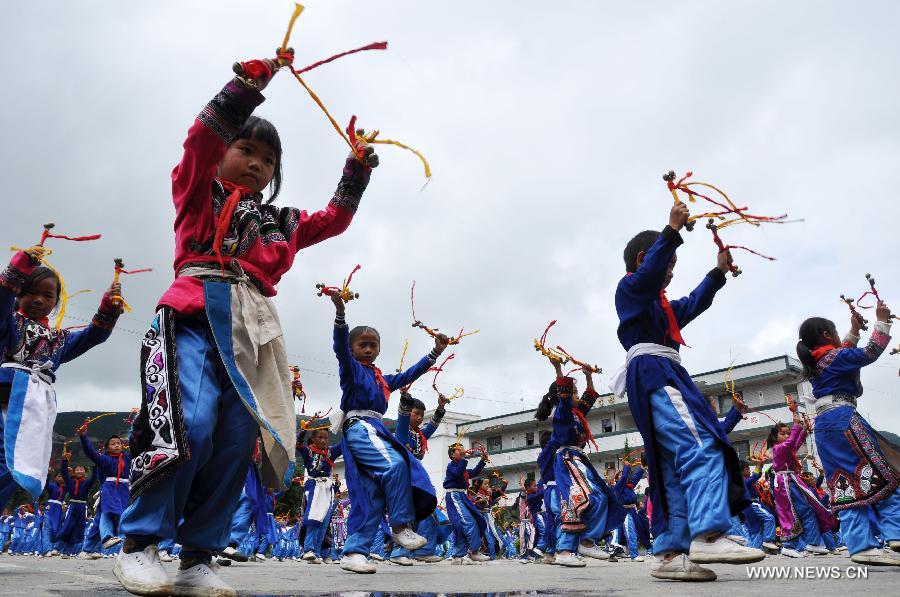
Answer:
x=226 y=113
x=13 y=279
x=879 y=340
x=353 y=183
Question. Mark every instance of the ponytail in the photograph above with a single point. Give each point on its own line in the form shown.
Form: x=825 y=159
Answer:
x=812 y=335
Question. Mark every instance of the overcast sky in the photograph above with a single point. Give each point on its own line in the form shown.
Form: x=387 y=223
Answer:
x=547 y=126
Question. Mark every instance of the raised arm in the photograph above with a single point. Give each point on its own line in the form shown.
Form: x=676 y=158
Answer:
x=11 y=280
x=644 y=284
x=347 y=365
x=79 y=342
x=731 y=420
x=476 y=470
x=401 y=380
x=623 y=479
x=687 y=309
x=404 y=409
x=89 y=450
x=436 y=417
x=848 y=360
x=205 y=146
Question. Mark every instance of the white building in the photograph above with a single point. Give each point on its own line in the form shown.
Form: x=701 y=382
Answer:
x=512 y=439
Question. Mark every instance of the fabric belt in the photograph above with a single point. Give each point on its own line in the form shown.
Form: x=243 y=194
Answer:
x=617 y=384
x=455 y=490
x=54 y=502
x=341 y=421
x=550 y=484
x=630 y=506
x=78 y=501
x=121 y=480
x=211 y=270
x=43 y=371
x=826 y=403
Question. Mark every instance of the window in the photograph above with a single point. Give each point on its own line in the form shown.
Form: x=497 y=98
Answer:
x=607 y=425
x=495 y=443
x=790 y=389
x=529 y=438
x=725 y=401
x=742 y=449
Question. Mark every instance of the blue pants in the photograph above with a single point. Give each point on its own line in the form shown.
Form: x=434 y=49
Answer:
x=240 y=521
x=466 y=537
x=384 y=473
x=4 y=539
x=593 y=517
x=109 y=525
x=856 y=530
x=315 y=536
x=47 y=534
x=377 y=543
x=631 y=535
x=810 y=535
x=91 y=542
x=428 y=528
x=768 y=522
x=693 y=474
x=204 y=492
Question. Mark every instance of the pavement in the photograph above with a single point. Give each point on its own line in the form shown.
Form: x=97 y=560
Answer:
x=819 y=576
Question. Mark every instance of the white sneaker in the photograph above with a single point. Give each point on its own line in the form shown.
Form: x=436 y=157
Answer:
x=260 y=557
x=309 y=555
x=315 y=560
x=637 y=559
x=403 y=561
x=791 y=553
x=894 y=545
x=356 y=562
x=83 y=556
x=593 y=551
x=723 y=550
x=548 y=558
x=233 y=554
x=376 y=557
x=201 y=580
x=466 y=561
x=111 y=541
x=142 y=573
x=682 y=568
x=164 y=556
x=740 y=539
x=569 y=560
x=477 y=556
x=816 y=549
x=875 y=557
x=429 y=559
x=408 y=539
x=770 y=546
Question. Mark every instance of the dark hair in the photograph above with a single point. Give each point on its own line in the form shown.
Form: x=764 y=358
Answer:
x=418 y=404
x=260 y=129
x=530 y=481
x=452 y=449
x=109 y=439
x=38 y=275
x=545 y=437
x=315 y=431
x=642 y=241
x=548 y=401
x=744 y=464
x=811 y=336
x=362 y=329
x=773 y=434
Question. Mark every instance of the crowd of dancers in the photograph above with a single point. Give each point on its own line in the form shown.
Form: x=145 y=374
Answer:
x=216 y=389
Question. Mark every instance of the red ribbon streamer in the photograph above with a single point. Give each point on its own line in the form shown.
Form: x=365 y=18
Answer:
x=378 y=45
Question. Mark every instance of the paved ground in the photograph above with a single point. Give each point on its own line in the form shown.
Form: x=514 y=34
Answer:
x=53 y=576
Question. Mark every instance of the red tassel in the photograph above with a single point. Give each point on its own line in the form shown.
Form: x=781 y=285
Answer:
x=378 y=45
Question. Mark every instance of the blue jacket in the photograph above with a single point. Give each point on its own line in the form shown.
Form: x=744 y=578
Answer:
x=113 y=496
x=458 y=475
x=412 y=440
x=837 y=372
x=77 y=489
x=316 y=464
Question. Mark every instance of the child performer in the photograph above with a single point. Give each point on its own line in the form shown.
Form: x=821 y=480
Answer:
x=78 y=487
x=31 y=352
x=468 y=524
x=214 y=368
x=527 y=525
x=318 y=458
x=861 y=467
x=635 y=532
x=799 y=512
x=111 y=466
x=583 y=506
x=380 y=471
x=411 y=412
x=53 y=517
x=695 y=479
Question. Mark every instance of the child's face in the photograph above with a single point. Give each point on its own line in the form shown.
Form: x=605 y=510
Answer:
x=248 y=162
x=783 y=433
x=415 y=417
x=745 y=471
x=114 y=447
x=485 y=484
x=366 y=347
x=78 y=472
x=40 y=300
x=58 y=478
x=320 y=439
x=457 y=455
x=531 y=488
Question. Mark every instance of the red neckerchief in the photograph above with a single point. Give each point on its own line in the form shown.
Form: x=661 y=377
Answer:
x=820 y=351
x=674 y=331
x=423 y=440
x=60 y=491
x=379 y=379
x=236 y=192
x=119 y=468
x=584 y=424
x=44 y=321
x=77 y=484
x=324 y=453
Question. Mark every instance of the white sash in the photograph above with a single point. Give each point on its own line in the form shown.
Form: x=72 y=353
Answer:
x=617 y=384
x=28 y=427
x=321 y=499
